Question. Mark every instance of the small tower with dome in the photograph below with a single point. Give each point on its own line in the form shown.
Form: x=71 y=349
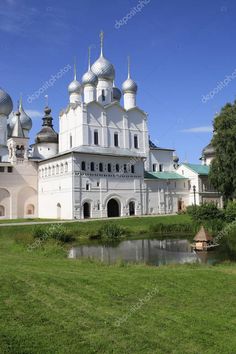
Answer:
x=26 y=121
x=75 y=89
x=18 y=141
x=105 y=73
x=46 y=141
x=129 y=89
x=89 y=82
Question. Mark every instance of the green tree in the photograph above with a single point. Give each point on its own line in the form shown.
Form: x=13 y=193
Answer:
x=223 y=168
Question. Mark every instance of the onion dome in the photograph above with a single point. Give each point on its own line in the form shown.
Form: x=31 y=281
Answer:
x=208 y=150
x=129 y=86
x=74 y=86
x=89 y=78
x=6 y=104
x=47 y=134
x=26 y=121
x=116 y=93
x=102 y=68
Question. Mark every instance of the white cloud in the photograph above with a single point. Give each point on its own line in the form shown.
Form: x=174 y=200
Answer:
x=34 y=114
x=204 y=129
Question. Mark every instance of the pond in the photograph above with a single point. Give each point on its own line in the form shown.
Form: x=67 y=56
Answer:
x=148 y=251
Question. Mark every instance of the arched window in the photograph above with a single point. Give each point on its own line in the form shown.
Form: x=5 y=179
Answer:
x=83 y=165
x=154 y=167
x=49 y=171
x=62 y=168
x=117 y=167
x=2 y=210
x=116 y=139
x=160 y=168
x=53 y=170
x=95 y=137
x=132 y=169
x=100 y=167
x=57 y=169
x=46 y=172
x=125 y=168
x=87 y=186
x=103 y=95
x=136 y=141
x=30 y=209
x=109 y=167
x=66 y=167
x=92 y=166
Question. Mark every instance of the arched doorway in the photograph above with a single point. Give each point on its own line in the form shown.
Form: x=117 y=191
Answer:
x=2 y=210
x=86 y=210
x=113 y=208
x=131 y=208
x=58 y=210
x=30 y=210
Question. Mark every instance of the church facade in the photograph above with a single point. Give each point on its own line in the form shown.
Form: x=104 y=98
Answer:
x=100 y=164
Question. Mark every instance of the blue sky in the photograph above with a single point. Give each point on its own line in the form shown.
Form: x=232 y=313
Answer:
x=180 y=51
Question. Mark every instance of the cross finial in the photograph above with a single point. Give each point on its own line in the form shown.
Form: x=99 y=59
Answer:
x=89 y=58
x=46 y=100
x=101 y=40
x=128 y=58
x=75 y=74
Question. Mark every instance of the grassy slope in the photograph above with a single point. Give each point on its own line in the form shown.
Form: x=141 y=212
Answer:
x=55 y=305
x=134 y=225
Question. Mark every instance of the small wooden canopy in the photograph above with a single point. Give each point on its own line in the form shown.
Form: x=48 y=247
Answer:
x=203 y=235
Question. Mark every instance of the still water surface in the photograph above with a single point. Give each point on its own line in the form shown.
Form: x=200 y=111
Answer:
x=148 y=251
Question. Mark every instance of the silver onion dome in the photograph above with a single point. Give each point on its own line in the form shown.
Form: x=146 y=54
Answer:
x=6 y=104
x=116 y=93
x=103 y=69
x=89 y=78
x=26 y=121
x=129 y=86
x=74 y=87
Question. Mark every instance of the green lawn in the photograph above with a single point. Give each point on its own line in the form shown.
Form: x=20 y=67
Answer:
x=136 y=225
x=55 y=305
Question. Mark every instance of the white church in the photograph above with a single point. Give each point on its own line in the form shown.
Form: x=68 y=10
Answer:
x=100 y=164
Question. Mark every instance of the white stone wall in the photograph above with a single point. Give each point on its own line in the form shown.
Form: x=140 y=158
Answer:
x=162 y=197
x=161 y=157
x=55 y=188
x=97 y=188
x=18 y=190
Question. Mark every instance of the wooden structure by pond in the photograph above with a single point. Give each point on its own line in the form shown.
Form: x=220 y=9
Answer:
x=203 y=241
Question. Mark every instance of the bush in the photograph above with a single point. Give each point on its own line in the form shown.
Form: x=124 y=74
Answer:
x=230 y=211
x=205 y=212
x=111 y=231
x=55 y=231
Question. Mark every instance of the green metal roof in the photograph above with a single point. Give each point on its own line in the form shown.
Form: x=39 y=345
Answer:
x=163 y=175
x=199 y=169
